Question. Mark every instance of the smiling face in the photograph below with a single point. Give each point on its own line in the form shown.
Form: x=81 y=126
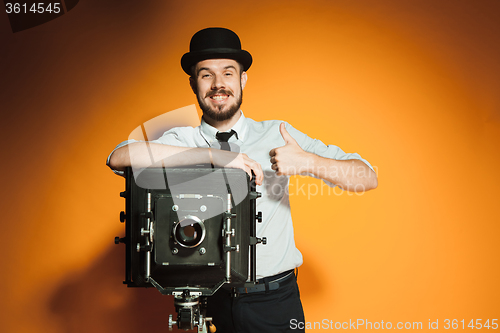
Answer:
x=218 y=85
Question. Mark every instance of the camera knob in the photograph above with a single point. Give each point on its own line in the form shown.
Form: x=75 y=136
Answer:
x=119 y=240
x=123 y=194
x=171 y=322
x=122 y=216
x=262 y=240
x=259 y=217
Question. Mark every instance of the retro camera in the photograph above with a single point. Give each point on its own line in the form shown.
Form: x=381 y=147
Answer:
x=188 y=232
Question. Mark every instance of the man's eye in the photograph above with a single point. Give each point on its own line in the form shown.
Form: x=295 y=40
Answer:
x=204 y=76
x=228 y=74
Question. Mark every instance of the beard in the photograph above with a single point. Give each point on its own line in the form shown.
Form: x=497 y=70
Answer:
x=218 y=113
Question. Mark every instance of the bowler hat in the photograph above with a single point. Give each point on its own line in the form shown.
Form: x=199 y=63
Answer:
x=215 y=43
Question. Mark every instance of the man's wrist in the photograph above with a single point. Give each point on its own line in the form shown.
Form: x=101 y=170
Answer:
x=211 y=158
x=312 y=163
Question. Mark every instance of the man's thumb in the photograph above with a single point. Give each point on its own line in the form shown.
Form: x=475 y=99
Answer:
x=284 y=133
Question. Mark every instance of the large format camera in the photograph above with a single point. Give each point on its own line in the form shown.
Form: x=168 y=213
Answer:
x=188 y=232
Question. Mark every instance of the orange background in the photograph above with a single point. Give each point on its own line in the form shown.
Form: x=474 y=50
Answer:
x=413 y=86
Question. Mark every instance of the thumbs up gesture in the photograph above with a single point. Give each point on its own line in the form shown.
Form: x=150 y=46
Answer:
x=289 y=159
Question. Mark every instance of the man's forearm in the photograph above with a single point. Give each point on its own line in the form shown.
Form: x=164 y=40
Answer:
x=352 y=175
x=146 y=154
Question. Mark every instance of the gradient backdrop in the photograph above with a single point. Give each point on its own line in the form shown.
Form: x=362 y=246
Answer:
x=412 y=86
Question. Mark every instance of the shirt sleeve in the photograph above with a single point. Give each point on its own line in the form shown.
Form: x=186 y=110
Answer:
x=171 y=137
x=319 y=148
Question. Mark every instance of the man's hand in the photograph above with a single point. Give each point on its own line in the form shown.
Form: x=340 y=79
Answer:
x=228 y=159
x=290 y=159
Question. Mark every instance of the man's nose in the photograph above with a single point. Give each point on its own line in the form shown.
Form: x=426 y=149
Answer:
x=218 y=82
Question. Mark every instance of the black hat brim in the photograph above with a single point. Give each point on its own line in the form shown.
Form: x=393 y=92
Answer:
x=191 y=58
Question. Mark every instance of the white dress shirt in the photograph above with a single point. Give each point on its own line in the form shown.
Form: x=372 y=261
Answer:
x=256 y=139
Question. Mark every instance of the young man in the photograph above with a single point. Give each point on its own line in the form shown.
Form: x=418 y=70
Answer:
x=273 y=150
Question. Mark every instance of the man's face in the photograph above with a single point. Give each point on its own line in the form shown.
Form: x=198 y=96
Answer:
x=218 y=85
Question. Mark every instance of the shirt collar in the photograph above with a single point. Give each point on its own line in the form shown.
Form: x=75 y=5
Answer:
x=208 y=132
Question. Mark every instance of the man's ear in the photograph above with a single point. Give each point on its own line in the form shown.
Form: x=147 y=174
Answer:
x=192 y=83
x=243 y=79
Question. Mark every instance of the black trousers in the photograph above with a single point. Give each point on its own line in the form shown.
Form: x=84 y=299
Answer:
x=257 y=312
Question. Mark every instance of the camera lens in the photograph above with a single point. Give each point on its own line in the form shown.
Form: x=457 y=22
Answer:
x=189 y=232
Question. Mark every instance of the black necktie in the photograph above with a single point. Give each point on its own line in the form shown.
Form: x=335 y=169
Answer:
x=223 y=138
